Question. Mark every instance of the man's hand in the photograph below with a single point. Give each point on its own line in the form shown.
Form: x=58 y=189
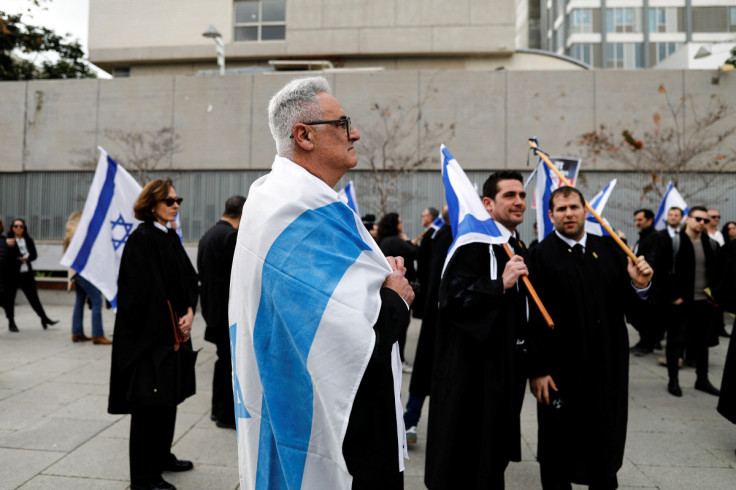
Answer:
x=540 y=388
x=640 y=272
x=678 y=301
x=514 y=269
x=397 y=281
x=185 y=324
x=10 y=242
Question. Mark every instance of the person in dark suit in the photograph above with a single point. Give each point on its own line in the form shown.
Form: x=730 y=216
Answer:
x=20 y=273
x=479 y=375
x=4 y=253
x=156 y=283
x=214 y=261
x=645 y=321
x=578 y=371
x=424 y=259
x=694 y=267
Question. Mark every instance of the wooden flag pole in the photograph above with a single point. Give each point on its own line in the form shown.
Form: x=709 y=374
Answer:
x=597 y=216
x=532 y=292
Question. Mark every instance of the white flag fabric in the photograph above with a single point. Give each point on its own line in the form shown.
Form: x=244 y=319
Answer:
x=469 y=218
x=436 y=225
x=598 y=203
x=106 y=223
x=304 y=296
x=348 y=196
x=545 y=185
x=671 y=199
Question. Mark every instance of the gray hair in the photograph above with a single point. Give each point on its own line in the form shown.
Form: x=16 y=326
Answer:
x=296 y=102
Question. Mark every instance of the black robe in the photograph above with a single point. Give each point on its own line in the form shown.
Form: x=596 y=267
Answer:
x=587 y=354
x=724 y=292
x=424 y=264
x=154 y=268
x=421 y=376
x=478 y=378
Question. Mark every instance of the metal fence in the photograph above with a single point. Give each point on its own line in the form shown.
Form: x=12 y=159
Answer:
x=45 y=199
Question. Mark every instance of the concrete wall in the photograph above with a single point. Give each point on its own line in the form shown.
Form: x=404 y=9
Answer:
x=166 y=31
x=221 y=121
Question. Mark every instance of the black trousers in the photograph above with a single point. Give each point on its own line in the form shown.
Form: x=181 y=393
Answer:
x=27 y=284
x=151 y=435
x=553 y=479
x=689 y=325
x=223 y=404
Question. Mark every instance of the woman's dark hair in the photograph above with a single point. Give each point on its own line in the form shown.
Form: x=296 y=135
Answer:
x=155 y=191
x=388 y=226
x=724 y=230
x=25 y=227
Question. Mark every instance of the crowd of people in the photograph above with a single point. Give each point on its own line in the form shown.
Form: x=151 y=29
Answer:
x=307 y=273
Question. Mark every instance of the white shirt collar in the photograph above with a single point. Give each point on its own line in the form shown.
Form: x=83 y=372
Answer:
x=505 y=231
x=160 y=226
x=672 y=231
x=572 y=242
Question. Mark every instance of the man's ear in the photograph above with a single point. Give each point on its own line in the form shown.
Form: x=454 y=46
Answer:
x=303 y=136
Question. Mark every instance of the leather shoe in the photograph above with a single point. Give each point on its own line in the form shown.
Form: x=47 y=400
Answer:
x=45 y=322
x=225 y=425
x=213 y=417
x=160 y=485
x=674 y=388
x=80 y=338
x=706 y=386
x=101 y=340
x=175 y=464
x=13 y=327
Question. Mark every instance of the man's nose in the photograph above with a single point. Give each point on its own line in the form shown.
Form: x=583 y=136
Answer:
x=354 y=133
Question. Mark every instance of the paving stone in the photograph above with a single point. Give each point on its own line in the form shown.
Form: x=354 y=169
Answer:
x=21 y=465
x=54 y=434
x=45 y=482
x=103 y=458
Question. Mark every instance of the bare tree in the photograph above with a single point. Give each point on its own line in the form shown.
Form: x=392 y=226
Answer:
x=143 y=151
x=685 y=146
x=397 y=143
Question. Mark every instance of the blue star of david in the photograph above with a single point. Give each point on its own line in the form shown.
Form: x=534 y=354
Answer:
x=119 y=242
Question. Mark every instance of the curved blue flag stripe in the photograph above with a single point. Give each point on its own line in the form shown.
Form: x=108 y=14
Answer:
x=240 y=411
x=98 y=218
x=300 y=273
x=453 y=206
x=662 y=212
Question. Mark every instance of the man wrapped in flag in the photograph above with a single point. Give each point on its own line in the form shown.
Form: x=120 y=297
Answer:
x=478 y=379
x=315 y=309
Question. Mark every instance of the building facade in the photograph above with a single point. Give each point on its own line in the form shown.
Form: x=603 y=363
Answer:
x=632 y=34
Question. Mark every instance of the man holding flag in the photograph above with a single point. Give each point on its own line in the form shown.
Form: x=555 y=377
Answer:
x=579 y=371
x=479 y=377
x=315 y=310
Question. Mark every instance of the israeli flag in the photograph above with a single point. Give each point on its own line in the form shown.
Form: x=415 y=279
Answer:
x=545 y=185
x=304 y=297
x=436 y=225
x=671 y=199
x=106 y=223
x=347 y=195
x=469 y=218
x=598 y=203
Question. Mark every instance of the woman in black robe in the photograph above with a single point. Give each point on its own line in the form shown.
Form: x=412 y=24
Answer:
x=155 y=272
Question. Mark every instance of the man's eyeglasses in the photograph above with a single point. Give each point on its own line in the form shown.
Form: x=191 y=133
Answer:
x=715 y=216
x=170 y=201
x=700 y=218
x=345 y=120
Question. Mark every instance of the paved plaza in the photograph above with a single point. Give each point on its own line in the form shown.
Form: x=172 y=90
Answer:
x=55 y=432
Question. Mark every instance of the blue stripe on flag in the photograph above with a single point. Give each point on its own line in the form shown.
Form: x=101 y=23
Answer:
x=453 y=205
x=298 y=280
x=98 y=218
x=240 y=411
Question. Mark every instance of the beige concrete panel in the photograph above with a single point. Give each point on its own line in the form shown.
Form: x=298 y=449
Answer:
x=304 y=15
x=555 y=106
x=474 y=103
x=629 y=99
x=359 y=13
x=12 y=113
x=473 y=39
x=212 y=116
x=60 y=123
x=322 y=42
x=395 y=40
x=271 y=49
x=395 y=91
x=433 y=12
x=263 y=146
x=134 y=105
x=493 y=12
x=141 y=23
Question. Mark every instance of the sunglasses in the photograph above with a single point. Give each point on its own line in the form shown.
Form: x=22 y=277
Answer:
x=170 y=201
x=19 y=226
x=699 y=219
x=344 y=121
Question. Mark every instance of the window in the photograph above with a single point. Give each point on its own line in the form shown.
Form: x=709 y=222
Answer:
x=121 y=72
x=710 y=19
x=581 y=20
x=623 y=55
x=732 y=18
x=661 y=51
x=583 y=52
x=260 y=20
x=663 y=19
x=623 y=20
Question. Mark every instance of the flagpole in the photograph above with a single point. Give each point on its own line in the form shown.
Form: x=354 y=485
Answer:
x=597 y=216
x=532 y=291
